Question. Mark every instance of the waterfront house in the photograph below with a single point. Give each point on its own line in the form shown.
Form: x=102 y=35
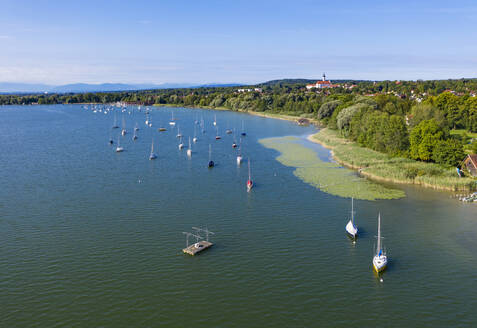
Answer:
x=470 y=163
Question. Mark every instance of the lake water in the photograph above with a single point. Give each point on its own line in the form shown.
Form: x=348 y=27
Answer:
x=92 y=238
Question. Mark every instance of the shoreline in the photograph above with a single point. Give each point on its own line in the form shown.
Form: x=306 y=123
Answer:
x=278 y=116
x=460 y=184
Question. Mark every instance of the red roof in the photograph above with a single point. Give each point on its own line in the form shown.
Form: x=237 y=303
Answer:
x=323 y=82
x=473 y=158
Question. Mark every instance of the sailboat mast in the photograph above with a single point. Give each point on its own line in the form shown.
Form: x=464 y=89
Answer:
x=152 y=146
x=378 y=249
x=249 y=173
x=210 y=152
x=352 y=211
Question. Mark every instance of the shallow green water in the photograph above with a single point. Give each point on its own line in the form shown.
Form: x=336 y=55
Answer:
x=325 y=175
x=92 y=238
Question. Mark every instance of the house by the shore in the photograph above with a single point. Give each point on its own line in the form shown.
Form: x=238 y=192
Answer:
x=470 y=163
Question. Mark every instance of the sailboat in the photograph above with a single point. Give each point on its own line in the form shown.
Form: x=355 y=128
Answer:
x=189 y=150
x=123 y=131
x=134 y=135
x=119 y=148
x=152 y=155
x=351 y=228
x=243 y=131
x=249 y=181
x=195 y=133
x=217 y=137
x=239 y=156
x=380 y=260
x=147 y=119
x=172 y=122
x=215 y=120
x=136 y=128
x=110 y=139
x=234 y=144
x=181 y=145
x=115 y=124
x=211 y=162
x=179 y=135
x=202 y=125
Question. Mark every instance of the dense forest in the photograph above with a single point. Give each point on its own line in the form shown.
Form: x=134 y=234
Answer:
x=402 y=118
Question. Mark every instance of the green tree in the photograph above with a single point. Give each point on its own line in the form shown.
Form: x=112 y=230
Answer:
x=448 y=152
x=423 y=139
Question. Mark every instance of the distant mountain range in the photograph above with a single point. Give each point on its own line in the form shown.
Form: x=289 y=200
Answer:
x=7 y=87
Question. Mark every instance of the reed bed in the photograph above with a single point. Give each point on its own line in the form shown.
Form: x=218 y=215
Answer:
x=383 y=167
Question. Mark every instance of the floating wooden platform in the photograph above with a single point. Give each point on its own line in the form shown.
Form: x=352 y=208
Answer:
x=197 y=247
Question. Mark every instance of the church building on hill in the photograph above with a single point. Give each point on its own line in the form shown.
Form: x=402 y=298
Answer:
x=321 y=84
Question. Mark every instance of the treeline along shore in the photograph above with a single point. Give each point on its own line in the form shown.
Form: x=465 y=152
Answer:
x=402 y=131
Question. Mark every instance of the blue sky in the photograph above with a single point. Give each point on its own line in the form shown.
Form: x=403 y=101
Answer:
x=59 y=42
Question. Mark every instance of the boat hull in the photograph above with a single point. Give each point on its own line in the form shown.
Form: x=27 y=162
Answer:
x=380 y=262
x=351 y=230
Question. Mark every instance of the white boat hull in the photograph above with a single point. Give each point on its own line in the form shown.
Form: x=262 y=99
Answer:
x=351 y=229
x=380 y=263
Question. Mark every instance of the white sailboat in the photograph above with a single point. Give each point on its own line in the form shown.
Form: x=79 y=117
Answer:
x=123 y=131
x=152 y=155
x=189 y=150
x=119 y=148
x=351 y=228
x=115 y=124
x=195 y=134
x=181 y=145
x=215 y=120
x=239 y=156
x=172 y=122
x=179 y=135
x=380 y=260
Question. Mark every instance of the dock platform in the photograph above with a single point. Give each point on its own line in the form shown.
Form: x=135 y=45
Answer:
x=197 y=247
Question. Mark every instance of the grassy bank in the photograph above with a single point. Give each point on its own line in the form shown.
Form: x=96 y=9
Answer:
x=381 y=167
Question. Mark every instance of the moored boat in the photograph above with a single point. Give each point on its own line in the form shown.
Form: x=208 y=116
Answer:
x=351 y=228
x=380 y=260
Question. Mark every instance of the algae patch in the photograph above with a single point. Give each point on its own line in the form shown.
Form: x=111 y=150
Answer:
x=328 y=177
